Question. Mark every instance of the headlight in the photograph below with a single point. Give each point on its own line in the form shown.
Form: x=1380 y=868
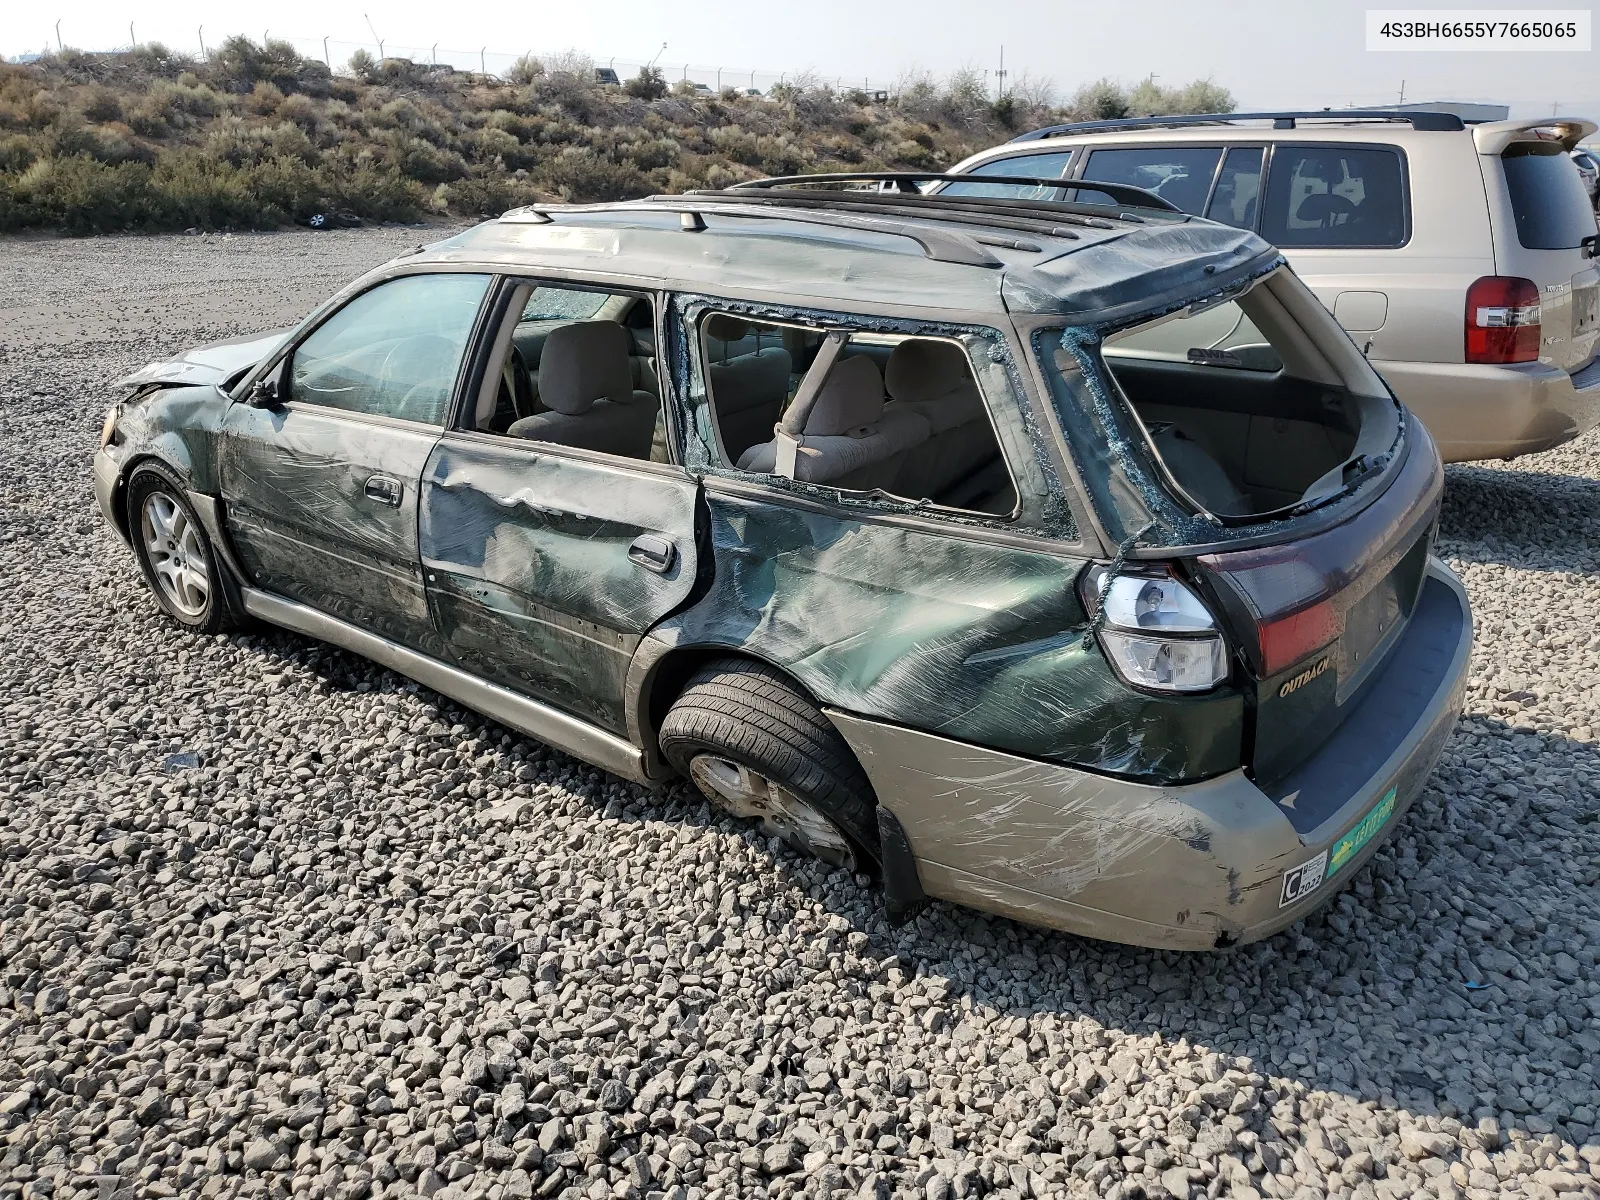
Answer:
x=1140 y=613
x=108 y=428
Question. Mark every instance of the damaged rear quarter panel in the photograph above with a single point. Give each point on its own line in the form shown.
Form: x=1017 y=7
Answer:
x=980 y=642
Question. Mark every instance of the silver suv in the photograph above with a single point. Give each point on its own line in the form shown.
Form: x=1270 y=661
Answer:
x=1456 y=254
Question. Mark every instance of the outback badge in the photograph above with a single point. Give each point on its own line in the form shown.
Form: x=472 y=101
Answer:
x=1306 y=676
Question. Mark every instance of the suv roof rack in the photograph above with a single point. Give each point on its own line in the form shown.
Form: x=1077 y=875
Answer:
x=1433 y=122
x=905 y=186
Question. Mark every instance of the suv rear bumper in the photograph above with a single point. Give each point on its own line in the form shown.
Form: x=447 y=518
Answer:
x=1477 y=412
x=1188 y=867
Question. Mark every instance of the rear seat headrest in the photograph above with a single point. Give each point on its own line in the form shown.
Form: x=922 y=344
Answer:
x=722 y=328
x=924 y=369
x=851 y=397
x=584 y=362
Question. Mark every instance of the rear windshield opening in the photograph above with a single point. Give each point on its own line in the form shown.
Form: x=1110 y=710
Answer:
x=1242 y=407
x=1548 y=200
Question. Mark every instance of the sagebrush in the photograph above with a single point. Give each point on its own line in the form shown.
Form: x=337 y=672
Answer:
x=259 y=136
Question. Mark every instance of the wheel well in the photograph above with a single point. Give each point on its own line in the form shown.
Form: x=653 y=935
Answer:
x=119 y=493
x=671 y=675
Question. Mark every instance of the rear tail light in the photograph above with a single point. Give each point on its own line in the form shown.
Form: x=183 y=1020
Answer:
x=1502 y=320
x=1156 y=632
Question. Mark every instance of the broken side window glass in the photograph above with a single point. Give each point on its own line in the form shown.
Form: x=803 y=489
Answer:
x=894 y=413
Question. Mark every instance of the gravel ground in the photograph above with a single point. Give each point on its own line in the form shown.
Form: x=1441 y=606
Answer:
x=275 y=922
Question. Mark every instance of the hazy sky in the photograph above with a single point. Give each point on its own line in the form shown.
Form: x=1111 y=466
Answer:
x=1269 y=54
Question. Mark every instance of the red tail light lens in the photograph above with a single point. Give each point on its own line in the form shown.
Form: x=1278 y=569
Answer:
x=1287 y=640
x=1502 y=320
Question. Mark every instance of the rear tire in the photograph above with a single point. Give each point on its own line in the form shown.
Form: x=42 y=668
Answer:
x=756 y=747
x=176 y=556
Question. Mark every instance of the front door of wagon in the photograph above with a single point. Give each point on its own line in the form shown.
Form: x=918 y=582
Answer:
x=321 y=483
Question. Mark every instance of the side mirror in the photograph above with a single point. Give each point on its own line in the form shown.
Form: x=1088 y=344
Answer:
x=263 y=393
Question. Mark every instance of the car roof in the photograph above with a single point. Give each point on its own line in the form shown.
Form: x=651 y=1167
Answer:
x=1399 y=128
x=910 y=254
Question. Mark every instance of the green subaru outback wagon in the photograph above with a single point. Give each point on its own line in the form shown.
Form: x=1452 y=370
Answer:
x=1063 y=560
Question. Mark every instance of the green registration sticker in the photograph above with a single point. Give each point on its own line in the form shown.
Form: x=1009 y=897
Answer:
x=1345 y=848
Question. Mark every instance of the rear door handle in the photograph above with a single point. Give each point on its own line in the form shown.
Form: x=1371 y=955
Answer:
x=384 y=490
x=653 y=553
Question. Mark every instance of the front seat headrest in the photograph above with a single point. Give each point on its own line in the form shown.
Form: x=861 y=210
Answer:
x=924 y=369
x=584 y=362
x=851 y=397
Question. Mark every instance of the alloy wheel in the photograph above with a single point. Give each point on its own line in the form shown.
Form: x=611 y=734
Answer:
x=737 y=789
x=177 y=555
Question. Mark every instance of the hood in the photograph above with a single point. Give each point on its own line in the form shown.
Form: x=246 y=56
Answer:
x=209 y=364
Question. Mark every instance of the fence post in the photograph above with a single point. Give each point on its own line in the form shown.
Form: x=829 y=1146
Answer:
x=326 y=57
x=482 y=70
x=202 y=35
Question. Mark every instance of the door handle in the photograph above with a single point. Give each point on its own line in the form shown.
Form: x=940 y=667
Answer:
x=384 y=490
x=653 y=553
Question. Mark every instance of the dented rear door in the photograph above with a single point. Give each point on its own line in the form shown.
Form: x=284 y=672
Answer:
x=545 y=565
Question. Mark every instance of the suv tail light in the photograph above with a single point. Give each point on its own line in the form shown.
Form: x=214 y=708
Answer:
x=1156 y=632
x=1502 y=320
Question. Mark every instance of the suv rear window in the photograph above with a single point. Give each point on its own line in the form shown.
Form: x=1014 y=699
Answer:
x=1329 y=196
x=1547 y=197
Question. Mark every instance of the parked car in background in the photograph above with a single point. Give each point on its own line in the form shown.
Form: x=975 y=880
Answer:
x=1589 y=172
x=885 y=519
x=607 y=77
x=1458 y=256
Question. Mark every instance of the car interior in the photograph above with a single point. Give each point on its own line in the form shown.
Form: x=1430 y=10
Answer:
x=1246 y=416
x=577 y=368
x=896 y=413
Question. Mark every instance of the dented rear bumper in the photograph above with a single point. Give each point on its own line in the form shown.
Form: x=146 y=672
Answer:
x=1178 y=867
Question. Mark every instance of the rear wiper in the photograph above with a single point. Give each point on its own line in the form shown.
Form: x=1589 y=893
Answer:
x=1362 y=465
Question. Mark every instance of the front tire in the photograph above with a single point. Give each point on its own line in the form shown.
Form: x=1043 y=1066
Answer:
x=175 y=554
x=757 y=748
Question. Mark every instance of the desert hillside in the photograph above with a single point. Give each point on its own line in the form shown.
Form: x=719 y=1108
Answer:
x=259 y=136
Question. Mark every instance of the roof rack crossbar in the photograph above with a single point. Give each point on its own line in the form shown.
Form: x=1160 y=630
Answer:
x=905 y=183
x=1433 y=122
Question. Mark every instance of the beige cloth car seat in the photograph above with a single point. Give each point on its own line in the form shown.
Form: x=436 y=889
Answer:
x=934 y=380
x=850 y=440
x=748 y=388
x=586 y=383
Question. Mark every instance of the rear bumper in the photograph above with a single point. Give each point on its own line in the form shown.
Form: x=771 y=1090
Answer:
x=1476 y=412
x=1189 y=867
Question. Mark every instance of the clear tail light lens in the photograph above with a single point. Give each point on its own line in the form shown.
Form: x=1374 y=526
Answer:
x=1503 y=320
x=1157 y=633
x=1166 y=664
